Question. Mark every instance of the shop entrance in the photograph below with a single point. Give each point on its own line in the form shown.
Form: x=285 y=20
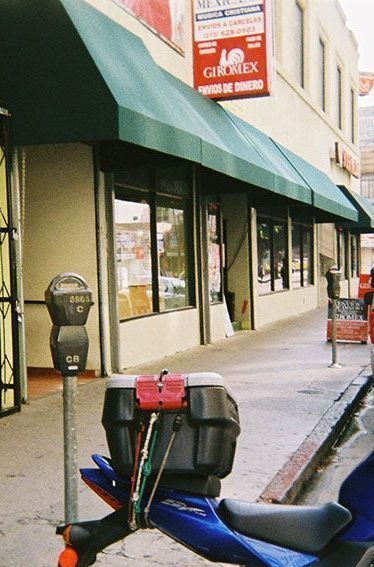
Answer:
x=237 y=262
x=9 y=352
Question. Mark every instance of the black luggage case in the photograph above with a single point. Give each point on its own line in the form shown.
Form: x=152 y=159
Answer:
x=203 y=447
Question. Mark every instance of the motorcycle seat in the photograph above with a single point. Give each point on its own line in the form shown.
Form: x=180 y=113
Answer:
x=303 y=528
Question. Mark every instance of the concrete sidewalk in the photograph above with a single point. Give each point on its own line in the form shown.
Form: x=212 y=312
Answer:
x=291 y=405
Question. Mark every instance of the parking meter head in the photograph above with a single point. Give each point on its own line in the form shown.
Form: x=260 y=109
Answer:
x=68 y=299
x=69 y=348
x=333 y=283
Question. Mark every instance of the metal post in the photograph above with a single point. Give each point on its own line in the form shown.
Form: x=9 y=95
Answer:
x=334 y=333
x=70 y=448
x=69 y=299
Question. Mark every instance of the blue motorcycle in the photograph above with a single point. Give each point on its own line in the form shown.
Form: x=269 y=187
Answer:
x=171 y=438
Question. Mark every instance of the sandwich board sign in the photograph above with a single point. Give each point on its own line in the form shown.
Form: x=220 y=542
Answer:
x=352 y=320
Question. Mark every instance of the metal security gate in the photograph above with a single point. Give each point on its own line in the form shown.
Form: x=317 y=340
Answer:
x=10 y=396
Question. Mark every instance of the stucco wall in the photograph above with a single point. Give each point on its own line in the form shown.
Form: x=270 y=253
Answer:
x=284 y=304
x=153 y=337
x=293 y=115
x=59 y=236
x=219 y=318
x=179 y=64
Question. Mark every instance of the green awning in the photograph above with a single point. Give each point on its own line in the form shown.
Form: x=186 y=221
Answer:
x=365 y=211
x=71 y=74
x=326 y=195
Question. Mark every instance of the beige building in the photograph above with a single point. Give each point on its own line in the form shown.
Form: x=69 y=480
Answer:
x=366 y=115
x=185 y=215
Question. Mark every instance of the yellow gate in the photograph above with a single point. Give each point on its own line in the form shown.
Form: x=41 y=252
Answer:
x=9 y=367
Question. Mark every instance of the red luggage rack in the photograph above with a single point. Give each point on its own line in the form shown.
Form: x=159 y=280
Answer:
x=163 y=392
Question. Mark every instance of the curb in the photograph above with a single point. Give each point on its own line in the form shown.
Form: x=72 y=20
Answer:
x=288 y=482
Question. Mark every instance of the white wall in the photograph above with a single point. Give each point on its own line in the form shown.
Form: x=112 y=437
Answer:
x=153 y=337
x=59 y=236
x=367 y=259
x=218 y=322
x=276 y=306
x=293 y=116
x=179 y=64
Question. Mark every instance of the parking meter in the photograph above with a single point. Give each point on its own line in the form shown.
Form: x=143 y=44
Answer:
x=69 y=300
x=333 y=292
x=333 y=283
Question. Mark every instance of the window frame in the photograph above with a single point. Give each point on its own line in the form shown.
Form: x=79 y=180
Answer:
x=156 y=197
x=354 y=270
x=272 y=222
x=353 y=115
x=211 y=201
x=322 y=101
x=302 y=228
x=301 y=20
x=339 y=98
x=342 y=240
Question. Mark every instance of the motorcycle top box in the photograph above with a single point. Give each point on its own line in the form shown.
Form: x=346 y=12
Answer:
x=205 y=443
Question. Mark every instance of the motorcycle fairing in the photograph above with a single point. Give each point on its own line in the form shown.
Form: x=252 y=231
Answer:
x=357 y=494
x=194 y=522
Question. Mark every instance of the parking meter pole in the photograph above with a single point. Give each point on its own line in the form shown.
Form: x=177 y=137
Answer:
x=70 y=449
x=334 y=333
x=333 y=292
x=69 y=300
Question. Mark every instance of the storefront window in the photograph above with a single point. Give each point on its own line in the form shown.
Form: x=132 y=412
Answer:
x=296 y=256
x=354 y=256
x=280 y=270
x=214 y=252
x=307 y=255
x=134 y=265
x=172 y=268
x=264 y=258
x=302 y=255
x=272 y=257
x=152 y=231
x=341 y=253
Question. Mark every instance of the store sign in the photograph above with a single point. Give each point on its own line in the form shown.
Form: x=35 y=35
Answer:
x=364 y=285
x=233 y=48
x=352 y=320
x=346 y=160
x=165 y=17
x=366 y=83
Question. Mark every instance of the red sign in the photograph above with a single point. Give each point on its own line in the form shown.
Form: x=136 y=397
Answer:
x=164 y=17
x=352 y=320
x=346 y=160
x=366 y=83
x=233 y=48
x=364 y=285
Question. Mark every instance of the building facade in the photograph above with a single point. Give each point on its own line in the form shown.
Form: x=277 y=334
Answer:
x=186 y=216
x=367 y=151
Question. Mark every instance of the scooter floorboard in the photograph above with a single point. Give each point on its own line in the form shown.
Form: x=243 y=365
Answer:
x=347 y=554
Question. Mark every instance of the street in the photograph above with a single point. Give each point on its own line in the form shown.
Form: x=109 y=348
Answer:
x=352 y=448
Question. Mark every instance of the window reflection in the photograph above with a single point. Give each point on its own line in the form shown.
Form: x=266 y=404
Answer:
x=296 y=256
x=214 y=253
x=264 y=257
x=133 y=255
x=272 y=257
x=307 y=256
x=171 y=258
x=302 y=255
x=280 y=257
